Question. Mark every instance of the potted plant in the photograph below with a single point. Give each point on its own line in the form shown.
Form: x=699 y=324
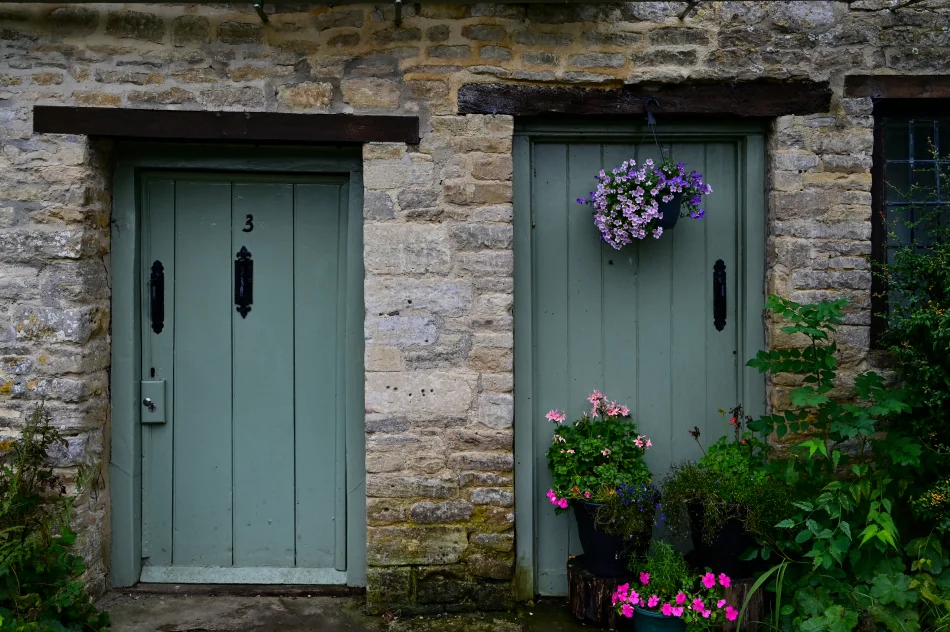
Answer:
x=667 y=597
x=631 y=203
x=598 y=469
x=725 y=499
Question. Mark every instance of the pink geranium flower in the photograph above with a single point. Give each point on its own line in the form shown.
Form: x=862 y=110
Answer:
x=731 y=613
x=595 y=397
x=709 y=580
x=724 y=580
x=555 y=416
x=644 y=578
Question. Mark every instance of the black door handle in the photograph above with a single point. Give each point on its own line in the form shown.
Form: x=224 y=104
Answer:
x=156 y=297
x=719 y=295
x=243 y=281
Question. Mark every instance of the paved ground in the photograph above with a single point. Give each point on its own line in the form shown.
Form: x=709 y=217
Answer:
x=181 y=612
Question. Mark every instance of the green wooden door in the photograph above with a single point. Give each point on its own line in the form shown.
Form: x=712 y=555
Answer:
x=636 y=324
x=244 y=463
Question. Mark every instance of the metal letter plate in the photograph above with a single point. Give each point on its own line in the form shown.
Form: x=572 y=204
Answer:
x=155 y=391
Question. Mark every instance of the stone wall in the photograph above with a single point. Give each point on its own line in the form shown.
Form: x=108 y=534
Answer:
x=438 y=215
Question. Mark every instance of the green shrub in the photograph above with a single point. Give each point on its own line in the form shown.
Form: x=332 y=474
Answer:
x=40 y=587
x=846 y=565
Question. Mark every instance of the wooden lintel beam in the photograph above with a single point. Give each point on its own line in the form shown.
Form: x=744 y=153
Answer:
x=730 y=98
x=898 y=86
x=270 y=127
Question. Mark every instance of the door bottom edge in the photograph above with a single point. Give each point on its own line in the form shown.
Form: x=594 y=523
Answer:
x=245 y=575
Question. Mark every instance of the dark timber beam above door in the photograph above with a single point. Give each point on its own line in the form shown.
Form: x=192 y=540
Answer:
x=272 y=127
x=759 y=98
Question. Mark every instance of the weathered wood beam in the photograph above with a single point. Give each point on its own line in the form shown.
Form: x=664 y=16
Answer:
x=234 y=126
x=732 y=98
x=898 y=86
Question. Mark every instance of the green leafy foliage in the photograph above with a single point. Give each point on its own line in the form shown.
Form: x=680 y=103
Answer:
x=669 y=573
x=728 y=482
x=846 y=566
x=40 y=587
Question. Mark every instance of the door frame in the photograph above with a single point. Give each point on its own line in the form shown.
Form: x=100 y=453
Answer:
x=750 y=139
x=125 y=468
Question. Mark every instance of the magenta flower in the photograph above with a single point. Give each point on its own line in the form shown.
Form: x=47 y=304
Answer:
x=709 y=580
x=626 y=610
x=720 y=603
x=680 y=599
x=724 y=580
x=678 y=611
x=634 y=598
x=586 y=494
x=706 y=613
x=644 y=578
x=652 y=601
x=731 y=613
x=562 y=503
x=698 y=605
x=667 y=610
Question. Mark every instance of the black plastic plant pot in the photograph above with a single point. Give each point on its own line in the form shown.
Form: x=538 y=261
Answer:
x=670 y=211
x=722 y=554
x=604 y=554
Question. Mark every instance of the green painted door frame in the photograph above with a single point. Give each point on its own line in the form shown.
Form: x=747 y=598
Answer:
x=749 y=139
x=127 y=274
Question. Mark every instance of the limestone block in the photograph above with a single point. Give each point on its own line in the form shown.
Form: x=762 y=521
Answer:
x=410 y=486
x=56 y=324
x=485 y=262
x=678 y=36
x=306 y=95
x=400 y=546
x=135 y=25
x=191 y=29
x=377 y=205
x=420 y=394
x=501 y=542
x=406 y=248
x=427 y=512
x=371 y=92
x=240 y=33
x=478 y=236
x=482 y=461
x=434 y=296
x=233 y=97
x=492 y=496
x=385 y=174
x=385 y=511
x=492 y=360
x=491 y=566
x=479 y=439
x=496 y=410
x=483 y=479
x=395 y=452
x=382 y=358
x=73 y=21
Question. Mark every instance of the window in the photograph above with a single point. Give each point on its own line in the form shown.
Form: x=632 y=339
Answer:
x=911 y=173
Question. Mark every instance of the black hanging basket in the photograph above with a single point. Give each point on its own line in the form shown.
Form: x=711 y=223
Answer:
x=670 y=211
x=604 y=554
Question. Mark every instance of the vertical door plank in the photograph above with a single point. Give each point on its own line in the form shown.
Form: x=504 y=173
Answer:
x=317 y=357
x=655 y=339
x=549 y=213
x=202 y=442
x=692 y=319
x=722 y=346
x=263 y=379
x=620 y=318
x=158 y=356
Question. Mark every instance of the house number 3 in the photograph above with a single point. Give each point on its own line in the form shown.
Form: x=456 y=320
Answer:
x=248 y=224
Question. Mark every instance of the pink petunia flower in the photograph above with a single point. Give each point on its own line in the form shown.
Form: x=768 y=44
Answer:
x=667 y=610
x=652 y=601
x=709 y=580
x=644 y=578
x=626 y=610
x=680 y=599
x=731 y=613
x=720 y=603
x=724 y=580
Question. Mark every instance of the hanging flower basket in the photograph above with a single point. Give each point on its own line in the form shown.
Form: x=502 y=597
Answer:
x=631 y=203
